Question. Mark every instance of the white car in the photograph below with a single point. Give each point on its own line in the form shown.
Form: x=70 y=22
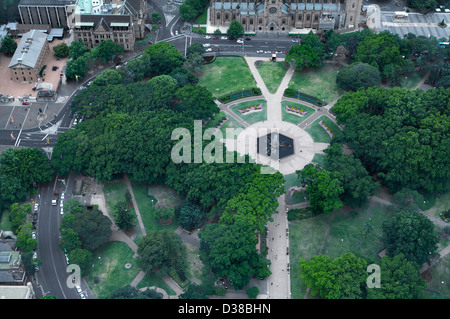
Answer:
x=62 y=211
x=295 y=41
x=208 y=50
x=36 y=206
x=78 y=289
x=206 y=45
x=207 y=37
x=34 y=255
x=240 y=41
x=62 y=196
x=67 y=258
x=33 y=235
x=223 y=38
x=260 y=51
x=75 y=122
x=267 y=52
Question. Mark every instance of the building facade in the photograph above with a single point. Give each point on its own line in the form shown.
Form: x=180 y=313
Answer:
x=91 y=29
x=29 y=57
x=51 y=12
x=286 y=15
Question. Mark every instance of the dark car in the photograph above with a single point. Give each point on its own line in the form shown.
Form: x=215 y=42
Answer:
x=247 y=39
x=35 y=216
x=231 y=38
x=215 y=38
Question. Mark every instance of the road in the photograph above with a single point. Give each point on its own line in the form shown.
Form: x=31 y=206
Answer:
x=51 y=279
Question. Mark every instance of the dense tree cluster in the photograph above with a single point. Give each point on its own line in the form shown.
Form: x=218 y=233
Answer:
x=311 y=52
x=21 y=170
x=346 y=277
x=82 y=232
x=190 y=9
x=400 y=135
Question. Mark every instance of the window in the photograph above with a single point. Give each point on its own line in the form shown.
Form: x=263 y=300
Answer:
x=316 y=17
x=226 y=16
x=308 y=17
x=243 y=21
x=218 y=16
x=300 y=16
x=260 y=21
x=353 y=5
x=251 y=21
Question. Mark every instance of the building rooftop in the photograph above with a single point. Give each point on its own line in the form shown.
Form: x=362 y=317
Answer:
x=29 y=49
x=46 y=2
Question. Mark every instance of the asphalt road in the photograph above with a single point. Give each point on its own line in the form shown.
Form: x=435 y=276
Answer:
x=52 y=277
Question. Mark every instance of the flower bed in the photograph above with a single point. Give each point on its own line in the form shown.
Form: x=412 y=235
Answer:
x=222 y=122
x=326 y=128
x=296 y=111
x=250 y=109
x=445 y=216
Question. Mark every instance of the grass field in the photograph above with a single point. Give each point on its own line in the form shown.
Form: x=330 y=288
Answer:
x=412 y=80
x=319 y=82
x=251 y=117
x=272 y=74
x=226 y=75
x=333 y=236
x=109 y=267
x=115 y=192
x=294 y=119
x=318 y=133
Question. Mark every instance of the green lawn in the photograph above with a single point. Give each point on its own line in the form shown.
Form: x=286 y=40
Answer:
x=319 y=82
x=109 y=267
x=272 y=73
x=5 y=223
x=333 y=236
x=320 y=160
x=411 y=81
x=226 y=75
x=202 y=18
x=292 y=118
x=318 y=133
x=251 y=117
x=152 y=280
x=115 y=192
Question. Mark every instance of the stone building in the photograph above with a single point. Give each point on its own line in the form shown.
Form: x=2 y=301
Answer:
x=120 y=21
x=286 y=15
x=29 y=57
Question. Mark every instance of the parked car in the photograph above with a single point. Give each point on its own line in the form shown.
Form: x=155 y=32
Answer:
x=206 y=45
x=62 y=211
x=223 y=38
x=33 y=235
x=215 y=38
x=208 y=50
x=25 y=103
x=260 y=51
x=240 y=41
x=207 y=37
x=295 y=41
x=62 y=196
x=247 y=39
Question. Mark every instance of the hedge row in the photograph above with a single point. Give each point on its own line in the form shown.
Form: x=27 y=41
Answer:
x=239 y=95
x=297 y=94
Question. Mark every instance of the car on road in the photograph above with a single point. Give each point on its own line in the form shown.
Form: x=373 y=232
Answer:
x=260 y=51
x=34 y=255
x=295 y=40
x=176 y=32
x=35 y=216
x=215 y=38
x=25 y=103
x=62 y=196
x=33 y=235
x=207 y=37
x=36 y=206
x=240 y=41
x=206 y=45
x=208 y=50
x=62 y=211
x=278 y=52
x=75 y=122
x=223 y=38
x=267 y=52
x=89 y=83
x=247 y=39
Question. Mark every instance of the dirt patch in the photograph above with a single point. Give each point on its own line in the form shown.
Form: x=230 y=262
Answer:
x=167 y=197
x=426 y=275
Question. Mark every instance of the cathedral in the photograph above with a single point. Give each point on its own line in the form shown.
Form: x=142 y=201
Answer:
x=286 y=15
